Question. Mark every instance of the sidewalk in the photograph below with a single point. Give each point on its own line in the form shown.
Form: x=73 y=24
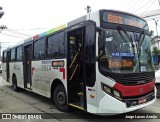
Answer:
x=3 y=82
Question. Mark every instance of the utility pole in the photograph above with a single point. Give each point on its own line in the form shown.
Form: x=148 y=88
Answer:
x=88 y=9
x=159 y=2
x=1 y=12
x=2 y=27
x=156 y=31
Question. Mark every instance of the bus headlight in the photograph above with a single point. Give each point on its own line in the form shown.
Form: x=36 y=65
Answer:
x=111 y=91
x=107 y=89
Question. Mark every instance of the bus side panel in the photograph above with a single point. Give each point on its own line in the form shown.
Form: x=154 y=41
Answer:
x=12 y=71
x=39 y=83
x=43 y=74
x=18 y=69
x=4 y=71
x=59 y=73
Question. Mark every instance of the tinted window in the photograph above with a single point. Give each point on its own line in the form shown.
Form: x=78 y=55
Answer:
x=19 y=53
x=90 y=55
x=56 y=45
x=4 y=56
x=13 y=54
x=39 y=49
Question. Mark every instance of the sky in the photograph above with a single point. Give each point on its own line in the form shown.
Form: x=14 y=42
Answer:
x=25 y=18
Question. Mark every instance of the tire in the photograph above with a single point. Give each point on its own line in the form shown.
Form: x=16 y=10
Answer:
x=15 y=87
x=60 y=98
x=158 y=90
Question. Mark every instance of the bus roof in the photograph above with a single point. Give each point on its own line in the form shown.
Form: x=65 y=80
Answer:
x=70 y=23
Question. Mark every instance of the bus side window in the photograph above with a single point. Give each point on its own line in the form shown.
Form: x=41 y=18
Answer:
x=39 y=49
x=19 y=53
x=4 y=57
x=13 y=54
x=56 y=45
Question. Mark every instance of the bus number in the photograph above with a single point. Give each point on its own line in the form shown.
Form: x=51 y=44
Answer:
x=114 y=19
x=46 y=67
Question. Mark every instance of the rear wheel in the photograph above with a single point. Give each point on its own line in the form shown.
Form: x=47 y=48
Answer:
x=158 y=90
x=15 y=87
x=60 y=98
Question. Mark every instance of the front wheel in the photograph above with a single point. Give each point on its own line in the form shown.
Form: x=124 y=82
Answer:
x=158 y=90
x=60 y=98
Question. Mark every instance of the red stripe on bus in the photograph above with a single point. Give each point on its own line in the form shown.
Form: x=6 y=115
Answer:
x=128 y=91
x=63 y=71
x=33 y=68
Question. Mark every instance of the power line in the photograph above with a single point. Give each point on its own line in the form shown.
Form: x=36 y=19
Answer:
x=150 y=18
x=14 y=31
x=10 y=35
x=33 y=29
x=153 y=11
x=150 y=5
x=142 y=6
x=149 y=14
x=135 y=5
x=129 y=4
x=17 y=32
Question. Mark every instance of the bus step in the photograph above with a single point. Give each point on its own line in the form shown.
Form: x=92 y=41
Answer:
x=77 y=105
x=81 y=94
x=28 y=89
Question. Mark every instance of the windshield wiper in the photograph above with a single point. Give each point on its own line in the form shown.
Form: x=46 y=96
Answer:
x=142 y=34
x=129 y=38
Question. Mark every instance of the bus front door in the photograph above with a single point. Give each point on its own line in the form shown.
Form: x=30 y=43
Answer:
x=27 y=66
x=76 y=84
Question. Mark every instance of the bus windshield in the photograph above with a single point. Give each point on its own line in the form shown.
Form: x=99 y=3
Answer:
x=126 y=51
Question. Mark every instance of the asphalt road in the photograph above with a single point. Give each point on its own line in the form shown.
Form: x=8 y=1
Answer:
x=28 y=102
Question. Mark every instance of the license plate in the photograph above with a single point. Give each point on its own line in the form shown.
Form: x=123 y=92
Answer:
x=142 y=101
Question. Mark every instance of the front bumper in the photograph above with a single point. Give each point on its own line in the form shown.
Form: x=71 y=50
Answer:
x=109 y=105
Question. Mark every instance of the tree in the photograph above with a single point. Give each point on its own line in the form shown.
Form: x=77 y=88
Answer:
x=156 y=53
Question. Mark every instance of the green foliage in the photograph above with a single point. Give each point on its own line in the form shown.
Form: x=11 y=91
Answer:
x=156 y=51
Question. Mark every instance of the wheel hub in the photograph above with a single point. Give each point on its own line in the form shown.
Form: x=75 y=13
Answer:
x=61 y=98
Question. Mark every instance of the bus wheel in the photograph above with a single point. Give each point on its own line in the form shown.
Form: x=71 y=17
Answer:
x=15 y=87
x=60 y=98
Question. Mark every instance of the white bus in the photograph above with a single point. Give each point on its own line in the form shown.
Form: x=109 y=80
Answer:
x=100 y=63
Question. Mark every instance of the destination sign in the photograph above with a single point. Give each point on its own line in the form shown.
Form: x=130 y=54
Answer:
x=123 y=54
x=122 y=18
x=125 y=63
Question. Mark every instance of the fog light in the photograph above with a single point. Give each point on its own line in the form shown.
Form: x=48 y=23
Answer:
x=117 y=94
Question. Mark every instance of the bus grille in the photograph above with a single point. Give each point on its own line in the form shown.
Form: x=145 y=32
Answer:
x=136 y=79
